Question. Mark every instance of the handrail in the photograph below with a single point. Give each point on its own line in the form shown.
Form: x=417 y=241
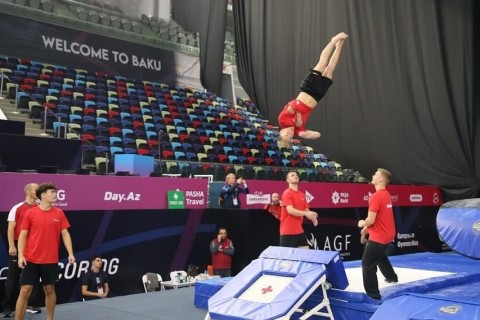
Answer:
x=59 y=119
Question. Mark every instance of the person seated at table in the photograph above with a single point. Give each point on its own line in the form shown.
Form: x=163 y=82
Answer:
x=95 y=282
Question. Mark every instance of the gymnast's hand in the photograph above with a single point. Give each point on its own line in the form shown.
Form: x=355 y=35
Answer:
x=22 y=262
x=312 y=216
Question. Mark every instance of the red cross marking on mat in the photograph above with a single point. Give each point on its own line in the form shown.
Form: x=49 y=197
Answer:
x=267 y=289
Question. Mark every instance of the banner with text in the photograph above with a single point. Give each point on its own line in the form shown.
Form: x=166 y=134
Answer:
x=341 y=195
x=79 y=192
x=79 y=49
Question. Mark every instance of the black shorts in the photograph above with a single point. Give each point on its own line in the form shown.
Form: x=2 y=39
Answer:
x=316 y=85
x=33 y=272
x=294 y=240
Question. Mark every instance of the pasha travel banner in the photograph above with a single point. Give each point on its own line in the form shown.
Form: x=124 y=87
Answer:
x=341 y=195
x=84 y=192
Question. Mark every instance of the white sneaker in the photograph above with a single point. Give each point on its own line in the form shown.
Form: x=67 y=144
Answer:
x=34 y=310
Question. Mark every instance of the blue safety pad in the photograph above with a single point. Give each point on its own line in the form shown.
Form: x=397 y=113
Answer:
x=414 y=306
x=463 y=269
x=331 y=259
x=226 y=304
x=204 y=289
x=468 y=292
x=458 y=225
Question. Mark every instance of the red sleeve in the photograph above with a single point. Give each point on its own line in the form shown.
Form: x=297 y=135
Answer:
x=27 y=220
x=374 y=203
x=287 y=199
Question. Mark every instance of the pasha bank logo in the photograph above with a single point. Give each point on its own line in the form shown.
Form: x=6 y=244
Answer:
x=340 y=197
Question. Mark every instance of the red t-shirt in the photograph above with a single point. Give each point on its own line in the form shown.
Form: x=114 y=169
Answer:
x=383 y=229
x=17 y=214
x=44 y=231
x=274 y=209
x=286 y=119
x=290 y=224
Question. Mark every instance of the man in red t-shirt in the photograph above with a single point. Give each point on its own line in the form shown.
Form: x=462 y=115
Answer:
x=15 y=218
x=380 y=224
x=294 y=208
x=294 y=116
x=274 y=207
x=38 y=245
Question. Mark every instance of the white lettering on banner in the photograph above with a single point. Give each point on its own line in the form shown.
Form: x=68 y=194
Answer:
x=412 y=243
x=340 y=197
x=194 y=198
x=78 y=269
x=146 y=63
x=339 y=242
x=75 y=48
x=3 y=272
x=406 y=236
x=194 y=202
x=81 y=49
x=258 y=198
x=309 y=196
x=393 y=196
x=416 y=198
x=367 y=197
x=119 y=197
x=61 y=196
x=194 y=194
x=120 y=56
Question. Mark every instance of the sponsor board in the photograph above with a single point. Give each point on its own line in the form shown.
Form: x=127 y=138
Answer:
x=77 y=192
x=343 y=195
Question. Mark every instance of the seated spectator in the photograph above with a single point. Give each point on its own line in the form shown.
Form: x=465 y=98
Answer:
x=95 y=282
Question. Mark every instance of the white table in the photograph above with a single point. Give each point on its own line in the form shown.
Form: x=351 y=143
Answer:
x=176 y=285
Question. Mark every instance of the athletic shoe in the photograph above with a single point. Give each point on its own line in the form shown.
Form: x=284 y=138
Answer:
x=7 y=315
x=391 y=281
x=34 y=310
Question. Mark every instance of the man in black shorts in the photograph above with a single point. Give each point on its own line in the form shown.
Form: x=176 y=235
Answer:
x=294 y=116
x=294 y=208
x=38 y=246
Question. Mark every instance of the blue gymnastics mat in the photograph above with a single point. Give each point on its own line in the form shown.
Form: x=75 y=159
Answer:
x=277 y=283
x=456 y=303
x=437 y=275
x=419 y=273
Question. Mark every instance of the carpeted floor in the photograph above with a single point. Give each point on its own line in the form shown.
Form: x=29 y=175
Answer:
x=169 y=304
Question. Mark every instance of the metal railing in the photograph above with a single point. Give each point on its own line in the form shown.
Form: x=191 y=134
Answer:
x=47 y=111
x=4 y=76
